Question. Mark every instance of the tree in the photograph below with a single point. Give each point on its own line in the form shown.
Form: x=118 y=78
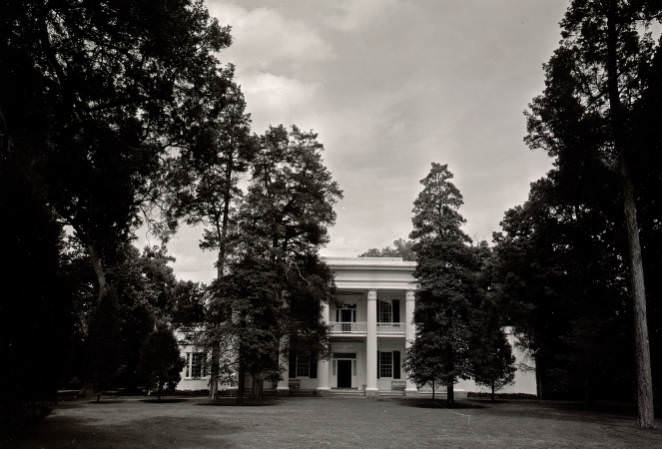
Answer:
x=559 y=280
x=492 y=359
x=101 y=92
x=595 y=76
x=160 y=362
x=204 y=180
x=446 y=270
x=188 y=307
x=401 y=248
x=107 y=110
x=36 y=322
x=103 y=352
x=424 y=362
x=283 y=222
x=491 y=353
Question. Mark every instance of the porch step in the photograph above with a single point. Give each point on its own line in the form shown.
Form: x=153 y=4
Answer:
x=392 y=394
x=342 y=393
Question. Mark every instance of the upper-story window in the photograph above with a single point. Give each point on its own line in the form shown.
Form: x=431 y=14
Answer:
x=346 y=313
x=384 y=312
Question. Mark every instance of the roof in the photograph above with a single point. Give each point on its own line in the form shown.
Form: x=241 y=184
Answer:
x=370 y=262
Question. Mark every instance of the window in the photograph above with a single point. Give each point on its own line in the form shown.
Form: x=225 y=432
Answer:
x=187 y=372
x=384 y=312
x=303 y=366
x=385 y=364
x=198 y=362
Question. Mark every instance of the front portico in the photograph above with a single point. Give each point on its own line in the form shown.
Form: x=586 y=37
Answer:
x=371 y=326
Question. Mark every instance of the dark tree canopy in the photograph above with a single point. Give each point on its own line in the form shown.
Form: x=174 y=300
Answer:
x=586 y=119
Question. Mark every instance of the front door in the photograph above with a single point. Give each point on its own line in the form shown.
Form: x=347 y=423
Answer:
x=344 y=373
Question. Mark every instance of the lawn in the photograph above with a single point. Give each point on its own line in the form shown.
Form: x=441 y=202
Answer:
x=332 y=422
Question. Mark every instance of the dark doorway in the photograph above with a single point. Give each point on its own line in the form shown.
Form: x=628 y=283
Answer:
x=346 y=318
x=344 y=373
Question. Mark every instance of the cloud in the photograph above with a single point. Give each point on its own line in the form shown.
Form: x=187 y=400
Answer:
x=263 y=36
x=276 y=99
x=356 y=14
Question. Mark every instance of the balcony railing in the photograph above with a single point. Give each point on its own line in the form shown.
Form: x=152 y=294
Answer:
x=348 y=327
x=394 y=328
x=359 y=327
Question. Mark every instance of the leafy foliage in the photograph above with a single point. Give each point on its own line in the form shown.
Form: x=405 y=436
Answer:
x=588 y=120
x=401 y=248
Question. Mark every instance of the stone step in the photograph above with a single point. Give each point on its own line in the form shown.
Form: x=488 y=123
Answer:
x=392 y=394
x=346 y=393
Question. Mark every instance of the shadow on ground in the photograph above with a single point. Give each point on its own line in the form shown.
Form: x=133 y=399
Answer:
x=228 y=402
x=59 y=432
x=439 y=403
x=163 y=400
x=107 y=401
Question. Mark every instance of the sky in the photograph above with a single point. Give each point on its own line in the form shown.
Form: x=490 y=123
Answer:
x=391 y=86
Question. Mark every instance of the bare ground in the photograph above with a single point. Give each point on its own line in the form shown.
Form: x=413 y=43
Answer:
x=332 y=422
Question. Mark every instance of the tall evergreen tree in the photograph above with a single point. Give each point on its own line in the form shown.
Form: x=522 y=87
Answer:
x=446 y=270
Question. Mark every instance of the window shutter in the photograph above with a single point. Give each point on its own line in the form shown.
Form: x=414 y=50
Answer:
x=293 y=364
x=313 y=365
x=337 y=315
x=396 y=364
x=396 y=310
x=378 y=358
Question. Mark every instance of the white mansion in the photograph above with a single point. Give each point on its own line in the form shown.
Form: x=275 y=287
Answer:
x=371 y=327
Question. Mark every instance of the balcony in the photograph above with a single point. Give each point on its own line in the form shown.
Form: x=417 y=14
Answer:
x=347 y=328
x=394 y=328
x=359 y=328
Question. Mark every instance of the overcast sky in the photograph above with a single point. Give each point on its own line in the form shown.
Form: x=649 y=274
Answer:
x=391 y=86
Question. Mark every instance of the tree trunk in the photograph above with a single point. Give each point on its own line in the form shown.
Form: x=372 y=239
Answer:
x=642 y=350
x=539 y=390
x=433 y=385
x=220 y=267
x=241 y=385
x=99 y=270
x=492 y=399
x=450 y=394
x=641 y=343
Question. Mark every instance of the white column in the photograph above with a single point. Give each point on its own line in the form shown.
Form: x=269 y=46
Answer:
x=323 y=363
x=371 y=345
x=410 y=333
x=284 y=361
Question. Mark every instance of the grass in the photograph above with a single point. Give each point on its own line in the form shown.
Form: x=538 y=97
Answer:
x=332 y=422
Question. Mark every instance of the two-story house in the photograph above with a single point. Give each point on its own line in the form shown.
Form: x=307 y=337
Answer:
x=371 y=325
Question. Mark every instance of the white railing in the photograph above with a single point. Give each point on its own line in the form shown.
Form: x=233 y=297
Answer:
x=359 y=327
x=391 y=328
x=346 y=327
